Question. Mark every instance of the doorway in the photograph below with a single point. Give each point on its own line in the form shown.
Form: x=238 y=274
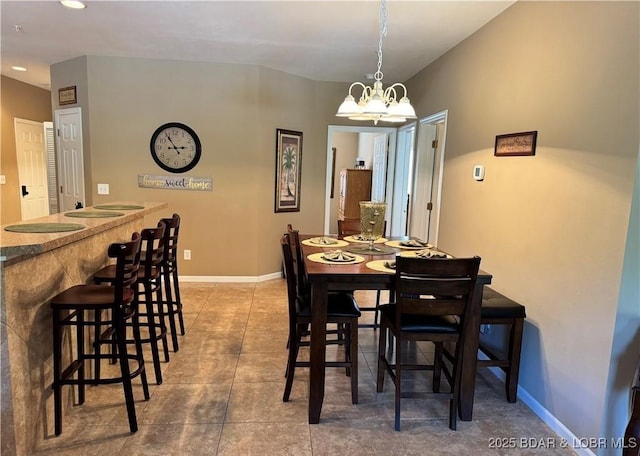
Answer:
x=332 y=172
x=32 y=168
x=70 y=158
x=424 y=212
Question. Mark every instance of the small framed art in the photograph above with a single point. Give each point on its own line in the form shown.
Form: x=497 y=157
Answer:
x=67 y=95
x=288 y=170
x=515 y=144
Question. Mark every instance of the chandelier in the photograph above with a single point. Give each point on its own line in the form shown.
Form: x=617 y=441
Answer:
x=375 y=103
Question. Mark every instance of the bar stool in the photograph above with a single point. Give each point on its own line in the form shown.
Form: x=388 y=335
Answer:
x=69 y=308
x=148 y=283
x=170 y=277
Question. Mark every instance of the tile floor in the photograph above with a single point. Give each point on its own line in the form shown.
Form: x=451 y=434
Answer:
x=222 y=395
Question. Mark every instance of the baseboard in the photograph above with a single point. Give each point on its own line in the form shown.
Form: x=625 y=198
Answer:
x=566 y=436
x=231 y=279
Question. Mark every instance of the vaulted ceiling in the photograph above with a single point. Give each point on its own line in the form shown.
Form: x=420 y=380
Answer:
x=321 y=40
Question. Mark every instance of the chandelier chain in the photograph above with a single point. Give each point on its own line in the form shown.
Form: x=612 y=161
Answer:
x=383 y=32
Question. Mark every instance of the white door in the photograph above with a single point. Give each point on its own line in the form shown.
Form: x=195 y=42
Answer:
x=32 y=168
x=429 y=158
x=402 y=180
x=379 y=168
x=70 y=158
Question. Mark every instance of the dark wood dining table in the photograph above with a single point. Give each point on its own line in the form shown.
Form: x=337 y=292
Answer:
x=335 y=277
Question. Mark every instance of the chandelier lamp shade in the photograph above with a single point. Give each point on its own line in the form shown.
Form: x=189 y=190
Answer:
x=375 y=102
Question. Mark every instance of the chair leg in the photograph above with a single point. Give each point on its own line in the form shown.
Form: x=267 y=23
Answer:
x=151 y=324
x=515 y=347
x=347 y=347
x=80 y=351
x=354 y=360
x=137 y=338
x=376 y=312
x=169 y=295
x=161 y=318
x=121 y=336
x=382 y=346
x=57 y=371
x=398 y=383
x=294 y=342
x=176 y=286
x=456 y=373
x=437 y=366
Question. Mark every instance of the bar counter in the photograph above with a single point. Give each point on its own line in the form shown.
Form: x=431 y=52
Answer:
x=34 y=268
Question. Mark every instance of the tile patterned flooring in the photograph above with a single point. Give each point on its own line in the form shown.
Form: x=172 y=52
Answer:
x=222 y=395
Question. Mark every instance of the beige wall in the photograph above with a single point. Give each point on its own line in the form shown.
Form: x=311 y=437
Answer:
x=23 y=101
x=551 y=228
x=235 y=110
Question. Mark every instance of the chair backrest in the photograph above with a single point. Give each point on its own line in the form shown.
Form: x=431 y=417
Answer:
x=298 y=260
x=435 y=286
x=152 y=249
x=172 y=229
x=349 y=227
x=127 y=256
x=290 y=272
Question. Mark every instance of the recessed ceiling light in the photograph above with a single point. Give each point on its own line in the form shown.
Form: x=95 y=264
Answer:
x=73 y=4
x=18 y=68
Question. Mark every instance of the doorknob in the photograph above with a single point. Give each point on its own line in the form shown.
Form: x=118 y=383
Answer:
x=24 y=190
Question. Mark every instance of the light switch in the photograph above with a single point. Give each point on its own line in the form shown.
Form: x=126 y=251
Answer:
x=3 y=179
x=103 y=189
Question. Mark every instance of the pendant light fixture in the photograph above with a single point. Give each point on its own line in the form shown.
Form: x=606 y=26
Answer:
x=376 y=103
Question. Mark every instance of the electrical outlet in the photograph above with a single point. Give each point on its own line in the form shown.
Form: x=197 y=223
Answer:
x=103 y=189
x=187 y=254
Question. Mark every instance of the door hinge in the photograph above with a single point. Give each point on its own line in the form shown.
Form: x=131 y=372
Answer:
x=434 y=143
x=58 y=132
x=429 y=206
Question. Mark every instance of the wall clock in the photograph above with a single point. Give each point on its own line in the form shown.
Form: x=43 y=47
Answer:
x=175 y=147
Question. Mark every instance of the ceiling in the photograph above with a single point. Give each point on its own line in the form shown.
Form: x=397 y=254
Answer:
x=321 y=40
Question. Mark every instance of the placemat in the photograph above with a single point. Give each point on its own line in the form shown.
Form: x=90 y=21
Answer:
x=355 y=239
x=119 y=207
x=44 y=227
x=93 y=214
x=396 y=244
x=338 y=242
x=379 y=265
x=318 y=258
x=415 y=253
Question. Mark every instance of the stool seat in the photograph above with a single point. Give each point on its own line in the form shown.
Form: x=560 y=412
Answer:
x=92 y=297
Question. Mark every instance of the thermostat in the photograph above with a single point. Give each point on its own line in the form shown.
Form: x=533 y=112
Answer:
x=478 y=172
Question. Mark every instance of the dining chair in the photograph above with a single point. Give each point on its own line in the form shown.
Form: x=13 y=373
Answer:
x=342 y=309
x=348 y=227
x=71 y=308
x=433 y=301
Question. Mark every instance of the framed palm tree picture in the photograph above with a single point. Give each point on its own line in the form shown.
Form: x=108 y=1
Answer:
x=288 y=170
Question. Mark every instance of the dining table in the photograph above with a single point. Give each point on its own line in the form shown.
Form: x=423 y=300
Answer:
x=324 y=277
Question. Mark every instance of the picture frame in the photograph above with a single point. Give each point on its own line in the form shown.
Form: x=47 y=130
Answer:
x=288 y=170
x=67 y=95
x=516 y=144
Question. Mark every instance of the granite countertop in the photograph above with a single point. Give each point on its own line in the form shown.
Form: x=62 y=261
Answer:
x=14 y=245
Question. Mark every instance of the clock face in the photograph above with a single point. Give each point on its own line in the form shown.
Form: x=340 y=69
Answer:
x=175 y=147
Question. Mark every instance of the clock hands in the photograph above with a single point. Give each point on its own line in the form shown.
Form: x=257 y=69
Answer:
x=174 y=146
